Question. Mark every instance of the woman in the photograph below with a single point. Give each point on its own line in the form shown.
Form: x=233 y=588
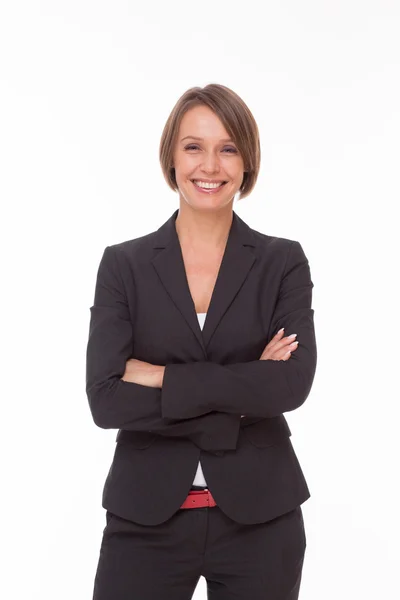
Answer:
x=192 y=356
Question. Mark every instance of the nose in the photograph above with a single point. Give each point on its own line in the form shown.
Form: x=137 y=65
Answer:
x=210 y=163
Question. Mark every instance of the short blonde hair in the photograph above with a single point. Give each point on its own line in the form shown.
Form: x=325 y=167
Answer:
x=237 y=119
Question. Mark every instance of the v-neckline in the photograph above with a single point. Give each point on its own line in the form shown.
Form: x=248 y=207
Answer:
x=236 y=263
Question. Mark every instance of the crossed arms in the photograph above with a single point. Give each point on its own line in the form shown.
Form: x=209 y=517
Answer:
x=201 y=401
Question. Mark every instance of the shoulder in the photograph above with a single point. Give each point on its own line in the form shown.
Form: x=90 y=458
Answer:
x=278 y=250
x=132 y=250
x=273 y=244
x=138 y=243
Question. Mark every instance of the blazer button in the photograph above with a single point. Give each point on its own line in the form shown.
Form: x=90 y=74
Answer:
x=220 y=452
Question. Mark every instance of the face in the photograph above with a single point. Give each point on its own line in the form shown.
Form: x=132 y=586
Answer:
x=204 y=153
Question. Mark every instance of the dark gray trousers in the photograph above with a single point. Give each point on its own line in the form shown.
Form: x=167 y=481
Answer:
x=165 y=562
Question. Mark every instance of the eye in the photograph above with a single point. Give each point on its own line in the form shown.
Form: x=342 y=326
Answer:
x=194 y=146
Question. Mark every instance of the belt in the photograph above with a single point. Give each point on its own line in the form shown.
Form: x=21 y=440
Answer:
x=199 y=499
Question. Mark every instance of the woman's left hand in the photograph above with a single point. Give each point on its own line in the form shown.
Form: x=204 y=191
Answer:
x=143 y=373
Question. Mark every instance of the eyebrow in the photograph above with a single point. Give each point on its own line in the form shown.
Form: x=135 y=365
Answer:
x=193 y=137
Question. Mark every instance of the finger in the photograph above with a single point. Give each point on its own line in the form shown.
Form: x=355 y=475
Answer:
x=276 y=344
x=285 y=353
x=279 y=343
x=279 y=353
x=277 y=337
x=286 y=341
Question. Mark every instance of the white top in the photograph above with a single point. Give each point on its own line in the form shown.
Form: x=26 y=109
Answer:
x=201 y=318
x=199 y=477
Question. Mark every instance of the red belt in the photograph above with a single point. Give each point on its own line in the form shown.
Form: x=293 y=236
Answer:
x=199 y=499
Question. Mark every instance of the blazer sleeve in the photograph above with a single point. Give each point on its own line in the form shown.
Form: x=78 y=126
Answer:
x=118 y=404
x=260 y=388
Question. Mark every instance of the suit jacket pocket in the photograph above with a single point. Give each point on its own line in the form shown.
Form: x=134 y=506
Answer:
x=268 y=431
x=137 y=439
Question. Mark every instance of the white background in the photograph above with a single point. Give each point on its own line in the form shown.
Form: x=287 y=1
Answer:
x=85 y=90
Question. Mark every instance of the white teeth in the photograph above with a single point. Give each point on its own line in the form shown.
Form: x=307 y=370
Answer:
x=207 y=185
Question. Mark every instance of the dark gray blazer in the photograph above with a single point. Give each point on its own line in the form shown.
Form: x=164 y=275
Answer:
x=143 y=309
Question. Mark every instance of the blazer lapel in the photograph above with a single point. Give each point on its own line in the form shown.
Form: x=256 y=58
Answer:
x=236 y=263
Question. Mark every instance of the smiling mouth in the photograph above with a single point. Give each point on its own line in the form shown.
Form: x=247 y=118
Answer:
x=220 y=183
x=208 y=191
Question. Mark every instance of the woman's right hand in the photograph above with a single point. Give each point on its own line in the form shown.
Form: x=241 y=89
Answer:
x=280 y=347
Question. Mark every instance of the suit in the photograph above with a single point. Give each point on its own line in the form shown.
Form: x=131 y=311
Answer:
x=143 y=309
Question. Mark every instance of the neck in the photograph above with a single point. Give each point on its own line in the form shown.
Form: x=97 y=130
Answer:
x=203 y=230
